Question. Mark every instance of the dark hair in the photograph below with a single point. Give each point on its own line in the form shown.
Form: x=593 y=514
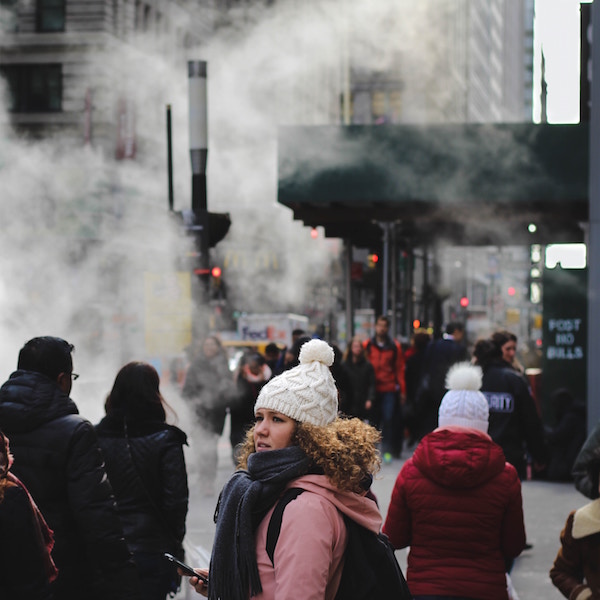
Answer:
x=383 y=318
x=486 y=352
x=136 y=395
x=272 y=348
x=48 y=355
x=420 y=340
x=501 y=337
x=454 y=326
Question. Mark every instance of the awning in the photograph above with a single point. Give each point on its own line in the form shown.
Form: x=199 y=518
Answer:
x=471 y=184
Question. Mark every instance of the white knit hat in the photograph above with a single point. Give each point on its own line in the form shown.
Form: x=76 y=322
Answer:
x=463 y=404
x=306 y=393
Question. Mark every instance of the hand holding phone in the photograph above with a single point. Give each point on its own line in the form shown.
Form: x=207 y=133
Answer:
x=185 y=568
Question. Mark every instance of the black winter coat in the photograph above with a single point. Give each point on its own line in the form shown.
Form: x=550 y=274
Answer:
x=149 y=478
x=58 y=458
x=361 y=376
x=514 y=421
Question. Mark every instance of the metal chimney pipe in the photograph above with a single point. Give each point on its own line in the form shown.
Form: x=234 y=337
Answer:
x=198 y=122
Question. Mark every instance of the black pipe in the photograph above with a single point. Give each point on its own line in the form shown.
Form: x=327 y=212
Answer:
x=169 y=157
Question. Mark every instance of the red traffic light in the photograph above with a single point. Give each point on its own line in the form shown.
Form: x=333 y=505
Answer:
x=464 y=302
x=216 y=272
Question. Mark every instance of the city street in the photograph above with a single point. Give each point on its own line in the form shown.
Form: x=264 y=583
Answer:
x=546 y=508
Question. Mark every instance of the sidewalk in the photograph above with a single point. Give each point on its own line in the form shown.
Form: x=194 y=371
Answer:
x=546 y=506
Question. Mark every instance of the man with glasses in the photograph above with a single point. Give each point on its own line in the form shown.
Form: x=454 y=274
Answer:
x=58 y=458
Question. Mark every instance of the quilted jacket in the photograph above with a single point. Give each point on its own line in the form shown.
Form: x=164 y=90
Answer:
x=148 y=474
x=58 y=458
x=458 y=505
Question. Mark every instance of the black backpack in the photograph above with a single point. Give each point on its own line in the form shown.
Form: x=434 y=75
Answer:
x=371 y=571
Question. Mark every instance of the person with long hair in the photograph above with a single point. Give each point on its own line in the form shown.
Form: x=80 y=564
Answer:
x=26 y=565
x=362 y=379
x=146 y=466
x=297 y=441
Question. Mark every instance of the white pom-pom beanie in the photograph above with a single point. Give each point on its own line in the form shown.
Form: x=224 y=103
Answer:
x=463 y=404
x=306 y=393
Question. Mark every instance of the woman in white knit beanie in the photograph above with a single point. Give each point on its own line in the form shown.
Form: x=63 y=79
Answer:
x=297 y=441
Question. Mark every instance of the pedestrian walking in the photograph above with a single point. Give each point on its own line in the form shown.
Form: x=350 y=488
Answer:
x=146 y=467
x=208 y=387
x=440 y=355
x=514 y=421
x=361 y=375
x=297 y=442
x=385 y=354
x=576 y=569
x=26 y=565
x=456 y=502
x=565 y=439
x=58 y=458
x=252 y=374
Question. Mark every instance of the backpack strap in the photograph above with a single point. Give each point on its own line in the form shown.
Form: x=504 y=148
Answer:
x=274 y=528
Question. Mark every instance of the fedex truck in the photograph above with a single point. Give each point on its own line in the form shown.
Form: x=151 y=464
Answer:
x=275 y=327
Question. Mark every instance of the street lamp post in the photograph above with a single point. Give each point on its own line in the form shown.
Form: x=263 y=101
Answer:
x=198 y=123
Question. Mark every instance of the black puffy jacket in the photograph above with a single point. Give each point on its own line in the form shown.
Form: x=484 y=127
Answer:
x=58 y=458
x=148 y=474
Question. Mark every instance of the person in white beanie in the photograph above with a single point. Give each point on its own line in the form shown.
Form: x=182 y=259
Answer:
x=457 y=503
x=297 y=441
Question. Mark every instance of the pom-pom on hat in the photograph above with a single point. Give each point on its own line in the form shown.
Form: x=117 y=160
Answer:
x=463 y=404
x=306 y=393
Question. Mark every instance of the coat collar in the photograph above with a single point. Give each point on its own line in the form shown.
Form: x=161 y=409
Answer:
x=587 y=520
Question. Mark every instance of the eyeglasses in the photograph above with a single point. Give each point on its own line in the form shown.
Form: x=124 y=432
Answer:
x=74 y=376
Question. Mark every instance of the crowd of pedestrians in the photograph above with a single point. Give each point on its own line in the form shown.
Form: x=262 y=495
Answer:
x=92 y=509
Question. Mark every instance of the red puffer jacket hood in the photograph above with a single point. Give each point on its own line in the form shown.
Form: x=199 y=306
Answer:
x=441 y=457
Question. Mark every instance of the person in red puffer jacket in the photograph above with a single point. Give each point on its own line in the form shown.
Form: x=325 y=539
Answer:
x=457 y=503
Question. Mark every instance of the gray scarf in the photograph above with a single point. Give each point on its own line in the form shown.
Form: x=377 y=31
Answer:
x=243 y=503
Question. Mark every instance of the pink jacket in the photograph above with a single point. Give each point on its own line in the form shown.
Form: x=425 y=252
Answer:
x=309 y=553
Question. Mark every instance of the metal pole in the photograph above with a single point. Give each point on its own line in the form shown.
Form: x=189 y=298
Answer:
x=169 y=157
x=385 y=267
x=198 y=123
x=349 y=306
x=593 y=357
x=394 y=279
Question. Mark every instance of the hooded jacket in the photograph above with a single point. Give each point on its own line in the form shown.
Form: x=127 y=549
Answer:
x=58 y=458
x=458 y=505
x=308 y=560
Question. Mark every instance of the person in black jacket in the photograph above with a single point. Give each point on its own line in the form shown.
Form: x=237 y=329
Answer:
x=26 y=566
x=146 y=467
x=515 y=424
x=567 y=436
x=361 y=375
x=58 y=458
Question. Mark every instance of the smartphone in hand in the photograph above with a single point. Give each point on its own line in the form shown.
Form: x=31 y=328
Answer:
x=185 y=568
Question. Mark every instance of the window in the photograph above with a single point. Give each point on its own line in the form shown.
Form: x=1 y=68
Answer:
x=50 y=15
x=34 y=88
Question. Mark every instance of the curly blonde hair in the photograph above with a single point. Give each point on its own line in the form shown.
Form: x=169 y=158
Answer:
x=345 y=449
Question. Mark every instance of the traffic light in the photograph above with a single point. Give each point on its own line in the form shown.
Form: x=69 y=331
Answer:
x=216 y=284
x=464 y=301
x=372 y=260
